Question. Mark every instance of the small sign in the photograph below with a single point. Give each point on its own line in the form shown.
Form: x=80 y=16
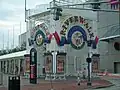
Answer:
x=27 y=63
x=95 y=63
x=48 y=63
x=61 y=58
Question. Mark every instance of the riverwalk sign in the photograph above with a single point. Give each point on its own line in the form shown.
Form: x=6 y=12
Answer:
x=75 y=31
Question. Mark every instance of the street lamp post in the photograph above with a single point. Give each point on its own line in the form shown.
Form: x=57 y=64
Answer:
x=89 y=83
x=89 y=60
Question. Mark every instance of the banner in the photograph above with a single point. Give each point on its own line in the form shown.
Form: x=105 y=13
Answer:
x=27 y=63
x=60 y=60
x=33 y=66
x=48 y=63
x=75 y=31
x=95 y=63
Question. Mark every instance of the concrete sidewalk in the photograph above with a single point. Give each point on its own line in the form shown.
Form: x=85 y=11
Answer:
x=62 y=85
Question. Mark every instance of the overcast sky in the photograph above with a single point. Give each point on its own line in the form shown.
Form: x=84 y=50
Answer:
x=11 y=14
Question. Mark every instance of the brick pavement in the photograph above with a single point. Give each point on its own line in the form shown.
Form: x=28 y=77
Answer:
x=64 y=85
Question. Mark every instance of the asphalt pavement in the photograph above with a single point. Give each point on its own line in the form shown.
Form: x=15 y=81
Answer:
x=69 y=84
x=114 y=80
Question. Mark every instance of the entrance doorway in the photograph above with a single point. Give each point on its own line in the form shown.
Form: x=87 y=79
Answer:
x=116 y=67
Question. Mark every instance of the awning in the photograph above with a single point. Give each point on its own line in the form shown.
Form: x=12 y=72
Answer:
x=112 y=33
x=13 y=55
x=108 y=38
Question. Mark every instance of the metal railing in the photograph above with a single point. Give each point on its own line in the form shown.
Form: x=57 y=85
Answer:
x=38 y=9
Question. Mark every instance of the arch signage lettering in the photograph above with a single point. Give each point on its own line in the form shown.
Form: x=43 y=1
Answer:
x=75 y=31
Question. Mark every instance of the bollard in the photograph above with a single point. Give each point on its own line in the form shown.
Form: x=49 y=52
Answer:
x=78 y=81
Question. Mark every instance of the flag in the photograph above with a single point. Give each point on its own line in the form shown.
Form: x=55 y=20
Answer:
x=95 y=42
x=114 y=4
x=30 y=41
x=66 y=41
x=62 y=41
x=57 y=38
x=46 y=40
x=94 y=46
x=96 y=39
x=50 y=37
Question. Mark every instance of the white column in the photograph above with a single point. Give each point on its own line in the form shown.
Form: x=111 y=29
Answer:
x=54 y=62
x=6 y=66
x=19 y=67
x=9 y=66
x=90 y=55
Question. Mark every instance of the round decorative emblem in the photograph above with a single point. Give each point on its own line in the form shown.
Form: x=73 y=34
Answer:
x=39 y=37
x=77 y=37
x=77 y=40
x=77 y=30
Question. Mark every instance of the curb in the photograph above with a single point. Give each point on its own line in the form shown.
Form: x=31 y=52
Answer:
x=103 y=86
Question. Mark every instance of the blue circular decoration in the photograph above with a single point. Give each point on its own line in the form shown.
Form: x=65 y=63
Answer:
x=77 y=37
x=39 y=38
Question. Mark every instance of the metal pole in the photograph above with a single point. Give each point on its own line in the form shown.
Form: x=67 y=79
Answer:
x=89 y=79
x=8 y=38
x=119 y=16
x=20 y=27
x=3 y=40
x=25 y=10
x=51 y=81
x=89 y=83
x=13 y=36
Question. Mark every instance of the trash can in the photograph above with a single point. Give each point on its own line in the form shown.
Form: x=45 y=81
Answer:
x=14 y=83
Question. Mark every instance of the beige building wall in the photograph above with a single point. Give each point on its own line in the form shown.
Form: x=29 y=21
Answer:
x=76 y=59
x=108 y=55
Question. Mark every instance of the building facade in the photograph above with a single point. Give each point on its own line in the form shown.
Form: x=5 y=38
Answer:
x=75 y=59
x=58 y=39
x=108 y=31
